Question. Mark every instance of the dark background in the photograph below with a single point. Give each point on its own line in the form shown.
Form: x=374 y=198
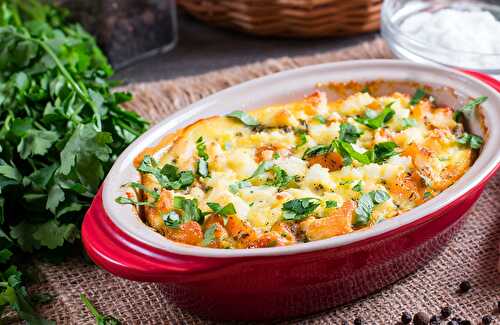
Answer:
x=202 y=48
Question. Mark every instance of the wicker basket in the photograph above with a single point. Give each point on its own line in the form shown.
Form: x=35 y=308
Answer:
x=290 y=18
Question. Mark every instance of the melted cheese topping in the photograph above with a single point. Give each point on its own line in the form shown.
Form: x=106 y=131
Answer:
x=426 y=161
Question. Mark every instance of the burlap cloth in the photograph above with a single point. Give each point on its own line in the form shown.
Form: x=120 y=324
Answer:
x=471 y=255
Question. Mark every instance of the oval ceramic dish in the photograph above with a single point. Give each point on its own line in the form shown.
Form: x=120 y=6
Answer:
x=278 y=282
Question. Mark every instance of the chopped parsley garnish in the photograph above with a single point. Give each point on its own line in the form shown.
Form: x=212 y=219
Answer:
x=358 y=187
x=209 y=236
x=261 y=169
x=276 y=155
x=190 y=209
x=383 y=151
x=375 y=122
x=320 y=118
x=169 y=176
x=317 y=151
x=235 y=187
x=223 y=211
x=298 y=209
x=380 y=153
x=349 y=133
x=417 y=97
x=202 y=163
x=408 y=123
x=126 y=200
x=471 y=140
x=244 y=118
x=302 y=139
x=427 y=195
x=365 y=90
x=281 y=177
x=172 y=219
x=468 y=108
x=331 y=204
x=366 y=204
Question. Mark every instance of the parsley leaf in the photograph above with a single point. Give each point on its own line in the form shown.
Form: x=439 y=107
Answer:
x=169 y=176
x=471 y=140
x=234 y=188
x=321 y=119
x=331 y=204
x=209 y=236
x=302 y=139
x=379 y=120
x=172 y=219
x=317 y=150
x=100 y=318
x=126 y=200
x=417 y=97
x=298 y=209
x=281 y=178
x=202 y=163
x=366 y=204
x=224 y=212
x=244 y=118
x=408 y=123
x=468 y=108
x=190 y=209
x=383 y=151
x=261 y=169
x=358 y=187
x=349 y=133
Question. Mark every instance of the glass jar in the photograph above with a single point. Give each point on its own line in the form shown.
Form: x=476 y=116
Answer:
x=404 y=45
x=128 y=30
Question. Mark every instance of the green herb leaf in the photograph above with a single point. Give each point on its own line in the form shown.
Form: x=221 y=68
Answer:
x=379 y=196
x=209 y=236
x=190 y=209
x=172 y=219
x=383 y=151
x=379 y=120
x=331 y=204
x=302 y=139
x=417 y=97
x=168 y=176
x=363 y=210
x=349 y=133
x=348 y=152
x=261 y=169
x=468 y=108
x=321 y=119
x=281 y=178
x=201 y=148
x=358 y=187
x=298 y=209
x=234 y=188
x=408 y=123
x=471 y=140
x=100 y=318
x=244 y=118
x=317 y=151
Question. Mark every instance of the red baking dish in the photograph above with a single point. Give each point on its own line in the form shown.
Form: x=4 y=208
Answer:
x=284 y=282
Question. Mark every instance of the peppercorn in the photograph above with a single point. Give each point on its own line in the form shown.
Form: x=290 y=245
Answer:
x=465 y=322
x=434 y=320
x=446 y=312
x=465 y=286
x=487 y=320
x=358 y=321
x=406 y=318
x=420 y=318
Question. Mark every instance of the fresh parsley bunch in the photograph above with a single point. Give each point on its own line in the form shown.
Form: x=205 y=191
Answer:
x=61 y=128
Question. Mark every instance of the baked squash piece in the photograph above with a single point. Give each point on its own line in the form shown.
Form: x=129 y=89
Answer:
x=302 y=171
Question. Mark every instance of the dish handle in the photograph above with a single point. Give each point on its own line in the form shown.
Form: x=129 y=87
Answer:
x=124 y=256
x=484 y=78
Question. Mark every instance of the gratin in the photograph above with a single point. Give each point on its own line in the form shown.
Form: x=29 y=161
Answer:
x=302 y=171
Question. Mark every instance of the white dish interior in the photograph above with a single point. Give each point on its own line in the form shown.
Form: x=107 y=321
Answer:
x=292 y=85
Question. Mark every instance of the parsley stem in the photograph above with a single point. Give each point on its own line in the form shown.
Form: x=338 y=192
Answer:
x=83 y=94
x=89 y=306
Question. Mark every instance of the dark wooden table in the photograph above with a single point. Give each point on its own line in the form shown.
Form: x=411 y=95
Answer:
x=202 y=48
